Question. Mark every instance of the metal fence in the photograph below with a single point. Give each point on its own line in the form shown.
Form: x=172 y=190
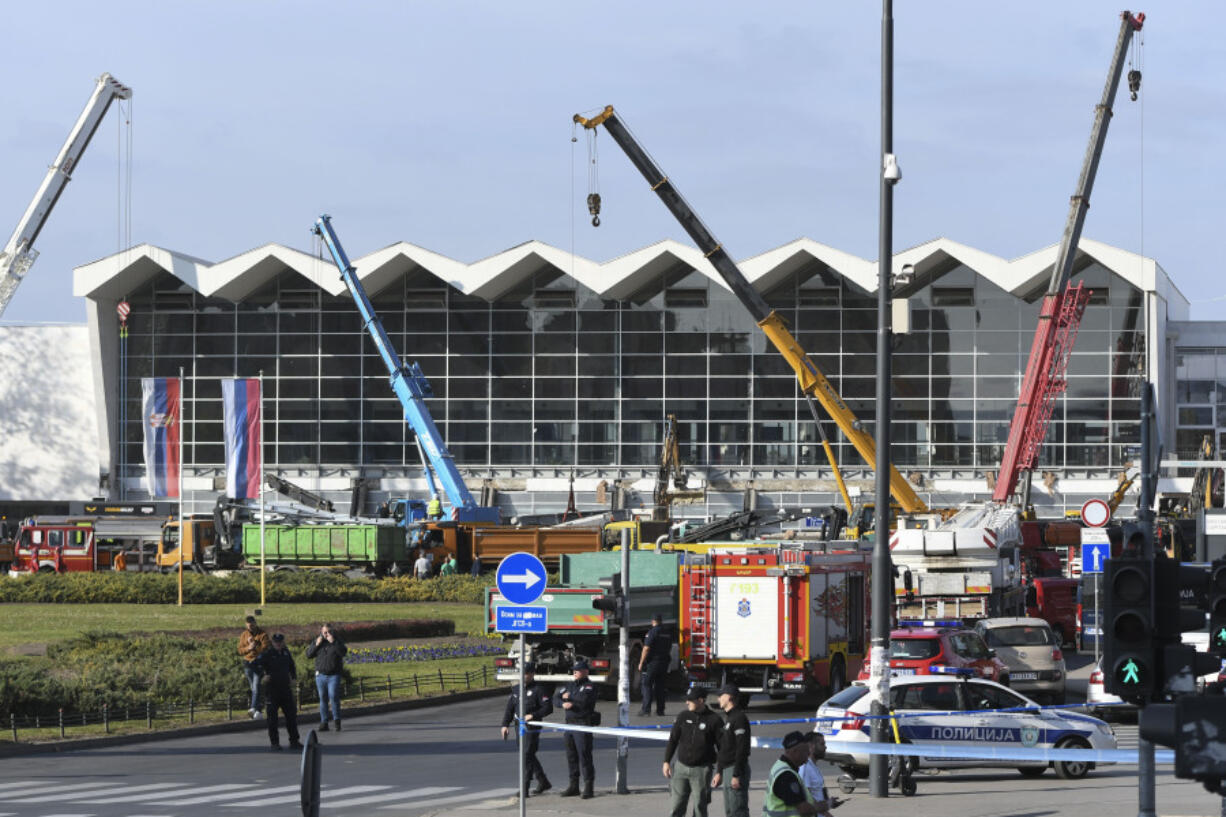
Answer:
x=363 y=690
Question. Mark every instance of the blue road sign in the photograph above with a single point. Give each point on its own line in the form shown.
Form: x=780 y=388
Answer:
x=1093 y=556
x=521 y=578
x=532 y=619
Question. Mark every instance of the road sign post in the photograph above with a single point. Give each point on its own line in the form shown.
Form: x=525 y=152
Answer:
x=521 y=581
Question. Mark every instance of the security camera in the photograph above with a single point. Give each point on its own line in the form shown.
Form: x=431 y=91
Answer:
x=891 y=172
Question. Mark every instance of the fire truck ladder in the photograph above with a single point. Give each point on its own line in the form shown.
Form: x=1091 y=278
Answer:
x=699 y=602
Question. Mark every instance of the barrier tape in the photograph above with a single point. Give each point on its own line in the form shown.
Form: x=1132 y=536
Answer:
x=921 y=749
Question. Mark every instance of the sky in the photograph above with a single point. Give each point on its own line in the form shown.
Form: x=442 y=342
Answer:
x=448 y=125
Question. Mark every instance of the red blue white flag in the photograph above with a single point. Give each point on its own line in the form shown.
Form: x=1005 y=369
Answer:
x=240 y=400
x=161 y=410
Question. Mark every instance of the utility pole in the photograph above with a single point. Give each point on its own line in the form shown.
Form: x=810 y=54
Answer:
x=883 y=575
x=1146 y=767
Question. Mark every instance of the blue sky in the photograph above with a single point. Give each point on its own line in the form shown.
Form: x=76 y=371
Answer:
x=448 y=125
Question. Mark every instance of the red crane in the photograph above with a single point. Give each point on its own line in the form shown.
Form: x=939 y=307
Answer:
x=1063 y=305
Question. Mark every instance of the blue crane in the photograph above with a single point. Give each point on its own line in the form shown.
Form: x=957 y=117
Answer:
x=412 y=387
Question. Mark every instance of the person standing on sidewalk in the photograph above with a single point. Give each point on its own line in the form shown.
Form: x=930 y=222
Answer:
x=695 y=740
x=329 y=654
x=278 y=664
x=732 y=766
x=537 y=706
x=813 y=779
x=251 y=645
x=579 y=700
x=653 y=665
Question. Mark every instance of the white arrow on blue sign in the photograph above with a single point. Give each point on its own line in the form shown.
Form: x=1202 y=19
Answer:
x=1093 y=556
x=521 y=578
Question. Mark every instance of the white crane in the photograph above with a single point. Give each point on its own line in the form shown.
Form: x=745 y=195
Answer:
x=19 y=252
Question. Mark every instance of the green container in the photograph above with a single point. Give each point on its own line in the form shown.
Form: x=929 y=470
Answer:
x=647 y=569
x=315 y=545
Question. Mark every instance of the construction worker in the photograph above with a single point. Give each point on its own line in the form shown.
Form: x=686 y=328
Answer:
x=120 y=563
x=434 y=509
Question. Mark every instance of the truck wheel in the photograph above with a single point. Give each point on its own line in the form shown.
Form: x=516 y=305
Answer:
x=1058 y=632
x=838 y=675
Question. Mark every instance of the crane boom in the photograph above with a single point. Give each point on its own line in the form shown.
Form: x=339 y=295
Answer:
x=411 y=386
x=1063 y=305
x=813 y=383
x=19 y=252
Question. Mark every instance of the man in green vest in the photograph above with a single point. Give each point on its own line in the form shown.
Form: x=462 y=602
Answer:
x=786 y=795
x=434 y=508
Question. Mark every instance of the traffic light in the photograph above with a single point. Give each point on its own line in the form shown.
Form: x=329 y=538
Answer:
x=1179 y=664
x=1216 y=602
x=613 y=602
x=1129 y=665
x=1195 y=727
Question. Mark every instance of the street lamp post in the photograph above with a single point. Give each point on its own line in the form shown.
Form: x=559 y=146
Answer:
x=883 y=577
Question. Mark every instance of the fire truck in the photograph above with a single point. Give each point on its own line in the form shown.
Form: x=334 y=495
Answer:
x=58 y=545
x=778 y=620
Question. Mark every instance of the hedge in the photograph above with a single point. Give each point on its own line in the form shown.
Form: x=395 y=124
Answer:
x=127 y=671
x=236 y=588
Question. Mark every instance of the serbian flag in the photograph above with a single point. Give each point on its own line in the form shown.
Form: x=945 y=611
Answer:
x=161 y=409
x=240 y=399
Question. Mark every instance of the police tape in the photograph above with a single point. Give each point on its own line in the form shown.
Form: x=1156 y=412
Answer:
x=944 y=751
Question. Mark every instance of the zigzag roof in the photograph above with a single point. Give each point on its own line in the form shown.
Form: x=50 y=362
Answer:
x=235 y=278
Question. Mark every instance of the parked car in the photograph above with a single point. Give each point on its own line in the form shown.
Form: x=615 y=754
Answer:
x=931 y=647
x=958 y=718
x=1031 y=651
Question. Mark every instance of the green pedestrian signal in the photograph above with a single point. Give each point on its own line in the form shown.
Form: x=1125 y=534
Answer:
x=1219 y=638
x=1129 y=673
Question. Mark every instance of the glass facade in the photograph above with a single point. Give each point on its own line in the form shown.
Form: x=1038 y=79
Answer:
x=553 y=376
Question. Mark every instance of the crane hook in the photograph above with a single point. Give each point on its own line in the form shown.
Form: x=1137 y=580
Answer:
x=1134 y=83
x=593 y=207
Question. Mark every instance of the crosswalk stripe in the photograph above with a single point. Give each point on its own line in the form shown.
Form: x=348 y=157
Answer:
x=24 y=784
x=459 y=798
x=383 y=798
x=273 y=801
x=217 y=798
x=80 y=795
x=162 y=795
x=50 y=785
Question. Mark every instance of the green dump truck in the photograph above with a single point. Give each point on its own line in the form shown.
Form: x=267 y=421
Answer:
x=577 y=629
x=378 y=548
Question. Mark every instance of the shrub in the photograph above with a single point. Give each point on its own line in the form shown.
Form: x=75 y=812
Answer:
x=242 y=587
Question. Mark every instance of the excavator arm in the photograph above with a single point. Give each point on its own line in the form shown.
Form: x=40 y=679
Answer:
x=814 y=385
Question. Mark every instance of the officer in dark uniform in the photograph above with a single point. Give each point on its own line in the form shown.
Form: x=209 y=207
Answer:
x=579 y=700
x=277 y=665
x=537 y=705
x=653 y=665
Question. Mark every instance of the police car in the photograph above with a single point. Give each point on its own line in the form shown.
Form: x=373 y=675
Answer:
x=963 y=715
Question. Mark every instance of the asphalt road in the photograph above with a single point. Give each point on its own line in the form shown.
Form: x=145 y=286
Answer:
x=450 y=760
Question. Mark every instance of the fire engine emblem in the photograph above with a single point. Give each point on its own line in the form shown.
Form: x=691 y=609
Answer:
x=1030 y=736
x=742 y=608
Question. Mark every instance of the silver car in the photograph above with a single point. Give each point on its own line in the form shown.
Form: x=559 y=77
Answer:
x=1031 y=651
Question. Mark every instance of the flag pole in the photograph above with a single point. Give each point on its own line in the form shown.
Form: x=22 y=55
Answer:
x=182 y=526
x=263 y=569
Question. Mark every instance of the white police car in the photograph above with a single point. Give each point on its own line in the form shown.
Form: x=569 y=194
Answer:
x=963 y=714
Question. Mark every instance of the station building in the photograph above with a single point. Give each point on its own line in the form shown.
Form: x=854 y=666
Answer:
x=551 y=370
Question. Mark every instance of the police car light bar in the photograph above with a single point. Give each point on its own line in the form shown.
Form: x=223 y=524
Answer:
x=942 y=670
x=912 y=622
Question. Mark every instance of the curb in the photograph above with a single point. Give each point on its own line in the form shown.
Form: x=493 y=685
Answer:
x=23 y=749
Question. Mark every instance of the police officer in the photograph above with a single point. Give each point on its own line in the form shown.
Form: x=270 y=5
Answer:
x=653 y=665
x=277 y=664
x=732 y=766
x=537 y=705
x=579 y=700
x=786 y=795
x=695 y=741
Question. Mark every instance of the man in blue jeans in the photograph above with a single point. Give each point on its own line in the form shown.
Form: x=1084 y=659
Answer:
x=329 y=654
x=251 y=645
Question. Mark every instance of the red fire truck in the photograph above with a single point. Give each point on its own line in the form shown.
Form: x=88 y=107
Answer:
x=57 y=546
x=778 y=620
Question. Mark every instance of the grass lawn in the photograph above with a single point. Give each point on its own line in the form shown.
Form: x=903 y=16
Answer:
x=45 y=623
